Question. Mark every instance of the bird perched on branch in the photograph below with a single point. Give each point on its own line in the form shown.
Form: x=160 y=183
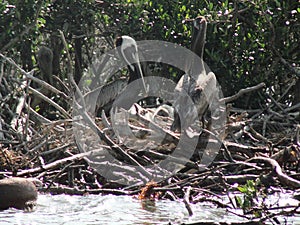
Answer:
x=128 y=51
x=45 y=58
x=199 y=83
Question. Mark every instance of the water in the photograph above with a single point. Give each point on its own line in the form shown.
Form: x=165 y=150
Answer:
x=109 y=209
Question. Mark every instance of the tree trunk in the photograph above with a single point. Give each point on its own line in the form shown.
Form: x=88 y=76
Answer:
x=57 y=47
x=78 y=59
x=297 y=92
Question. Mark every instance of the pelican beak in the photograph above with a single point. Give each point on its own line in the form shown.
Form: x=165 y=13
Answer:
x=141 y=74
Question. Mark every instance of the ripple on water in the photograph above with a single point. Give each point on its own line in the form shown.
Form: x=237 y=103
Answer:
x=109 y=209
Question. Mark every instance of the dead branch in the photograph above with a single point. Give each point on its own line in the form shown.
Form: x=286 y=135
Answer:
x=186 y=201
x=283 y=178
x=54 y=104
x=29 y=75
x=59 y=189
x=242 y=92
x=55 y=164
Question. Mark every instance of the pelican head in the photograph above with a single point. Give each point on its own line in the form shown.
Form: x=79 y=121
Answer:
x=199 y=35
x=128 y=50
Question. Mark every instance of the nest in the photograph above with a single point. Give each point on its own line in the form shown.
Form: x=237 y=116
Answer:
x=259 y=145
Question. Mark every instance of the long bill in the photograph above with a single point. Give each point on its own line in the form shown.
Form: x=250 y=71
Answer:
x=141 y=73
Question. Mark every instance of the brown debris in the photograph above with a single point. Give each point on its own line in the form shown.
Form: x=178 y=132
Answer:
x=148 y=192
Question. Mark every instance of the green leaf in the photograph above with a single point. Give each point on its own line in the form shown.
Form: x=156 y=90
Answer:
x=242 y=189
x=239 y=201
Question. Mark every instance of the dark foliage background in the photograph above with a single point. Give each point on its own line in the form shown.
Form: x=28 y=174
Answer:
x=247 y=41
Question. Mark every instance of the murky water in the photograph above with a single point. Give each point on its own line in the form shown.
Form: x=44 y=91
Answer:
x=109 y=209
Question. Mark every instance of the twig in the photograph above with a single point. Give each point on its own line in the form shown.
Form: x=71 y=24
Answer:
x=60 y=148
x=228 y=154
x=287 y=90
x=245 y=149
x=242 y=92
x=29 y=75
x=298 y=135
x=292 y=107
x=186 y=200
x=105 y=120
x=70 y=66
x=264 y=127
x=282 y=212
x=284 y=62
x=54 y=104
x=37 y=115
x=274 y=101
x=76 y=191
x=55 y=163
x=1 y=72
x=258 y=135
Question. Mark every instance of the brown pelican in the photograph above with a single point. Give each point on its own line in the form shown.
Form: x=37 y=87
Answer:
x=45 y=58
x=199 y=86
x=199 y=36
x=128 y=51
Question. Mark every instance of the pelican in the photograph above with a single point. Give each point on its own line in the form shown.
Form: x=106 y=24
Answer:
x=200 y=86
x=128 y=51
x=45 y=58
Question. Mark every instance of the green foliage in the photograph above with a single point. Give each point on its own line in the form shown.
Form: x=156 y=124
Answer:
x=246 y=40
x=250 y=193
x=249 y=201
